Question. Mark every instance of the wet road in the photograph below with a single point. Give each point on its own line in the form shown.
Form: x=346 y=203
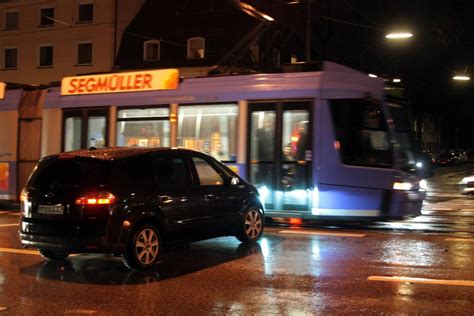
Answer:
x=343 y=271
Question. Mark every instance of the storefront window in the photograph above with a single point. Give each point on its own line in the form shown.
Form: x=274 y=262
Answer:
x=210 y=129
x=143 y=127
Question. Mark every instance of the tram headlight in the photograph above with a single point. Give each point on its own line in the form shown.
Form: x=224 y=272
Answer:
x=264 y=193
x=423 y=185
x=405 y=186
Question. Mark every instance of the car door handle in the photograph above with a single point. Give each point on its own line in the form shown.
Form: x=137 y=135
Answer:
x=209 y=197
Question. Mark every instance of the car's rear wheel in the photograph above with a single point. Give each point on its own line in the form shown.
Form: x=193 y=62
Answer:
x=54 y=255
x=143 y=249
x=252 y=226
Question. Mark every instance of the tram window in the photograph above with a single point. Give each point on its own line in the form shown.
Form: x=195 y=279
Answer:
x=295 y=135
x=362 y=133
x=209 y=128
x=143 y=127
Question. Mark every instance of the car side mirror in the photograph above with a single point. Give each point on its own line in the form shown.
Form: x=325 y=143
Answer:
x=234 y=181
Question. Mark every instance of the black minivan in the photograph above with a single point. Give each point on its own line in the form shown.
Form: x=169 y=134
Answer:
x=131 y=201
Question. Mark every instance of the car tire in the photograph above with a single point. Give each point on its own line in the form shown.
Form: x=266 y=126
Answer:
x=252 y=226
x=143 y=248
x=54 y=255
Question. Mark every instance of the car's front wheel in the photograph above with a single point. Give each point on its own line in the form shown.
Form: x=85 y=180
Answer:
x=143 y=249
x=54 y=255
x=252 y=226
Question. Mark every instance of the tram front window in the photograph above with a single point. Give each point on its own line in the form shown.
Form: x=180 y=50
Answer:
x=362 y=133
x=403 y=138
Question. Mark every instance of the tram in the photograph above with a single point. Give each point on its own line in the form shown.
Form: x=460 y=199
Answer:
x=317 y=145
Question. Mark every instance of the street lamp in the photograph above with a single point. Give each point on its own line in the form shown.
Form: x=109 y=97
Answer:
x=462 y=78
x=399 y=35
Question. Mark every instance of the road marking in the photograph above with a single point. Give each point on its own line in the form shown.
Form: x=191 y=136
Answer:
x=321 y=233
x=21 y=251
x=8 y=225
x=420 y=280
x=460 y=239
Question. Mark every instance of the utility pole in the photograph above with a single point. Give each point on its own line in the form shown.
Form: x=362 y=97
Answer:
x=115 y=34
x=308 y=32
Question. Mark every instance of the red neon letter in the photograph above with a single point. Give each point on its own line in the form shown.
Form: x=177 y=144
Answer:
x=73 y=87
x=147 y=81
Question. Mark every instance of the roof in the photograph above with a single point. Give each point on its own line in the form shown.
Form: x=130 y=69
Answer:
x=113 y=153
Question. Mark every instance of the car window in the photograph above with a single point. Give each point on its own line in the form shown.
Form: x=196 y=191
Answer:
x=136 y=170
x=171 y=171
x=206 y=173
x=70 y=172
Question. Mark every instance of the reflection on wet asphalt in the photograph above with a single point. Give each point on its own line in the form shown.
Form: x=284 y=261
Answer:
x=282 y=274
x=109 y=270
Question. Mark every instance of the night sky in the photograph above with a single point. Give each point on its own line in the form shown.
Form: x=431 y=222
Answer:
x=443 y=44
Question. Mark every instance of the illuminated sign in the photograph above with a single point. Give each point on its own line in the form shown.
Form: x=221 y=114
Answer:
x=165 y=79
x=3 y=87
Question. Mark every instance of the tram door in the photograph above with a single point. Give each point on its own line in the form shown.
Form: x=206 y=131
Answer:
x=279 y=153
x=84 y=128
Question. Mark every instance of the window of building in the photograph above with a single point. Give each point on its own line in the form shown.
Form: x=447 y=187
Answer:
x=206 y=173
x=196 y=47
x=361 y=133
x=209 y=128
x=85 y=12
x=11 y=58
x=84 y=54
x=143 y=127
x=151 y=50
x=47 y=17
x=46 y=56
x=11 y=20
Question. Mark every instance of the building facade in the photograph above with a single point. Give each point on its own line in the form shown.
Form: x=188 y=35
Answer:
x=44 y=41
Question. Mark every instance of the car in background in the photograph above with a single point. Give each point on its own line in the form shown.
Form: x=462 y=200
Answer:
x=447 y=159
x=461 y=156
x=131 y=201
x=467 y=184
x=470 y=156
x=424 y=163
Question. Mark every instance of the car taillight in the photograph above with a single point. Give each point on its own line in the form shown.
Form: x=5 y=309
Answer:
x=96 y=198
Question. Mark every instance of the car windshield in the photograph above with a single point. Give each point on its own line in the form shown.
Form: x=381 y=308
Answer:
x=70 y=172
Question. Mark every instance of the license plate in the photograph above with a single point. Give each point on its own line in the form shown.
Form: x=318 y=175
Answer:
x=57 y=209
